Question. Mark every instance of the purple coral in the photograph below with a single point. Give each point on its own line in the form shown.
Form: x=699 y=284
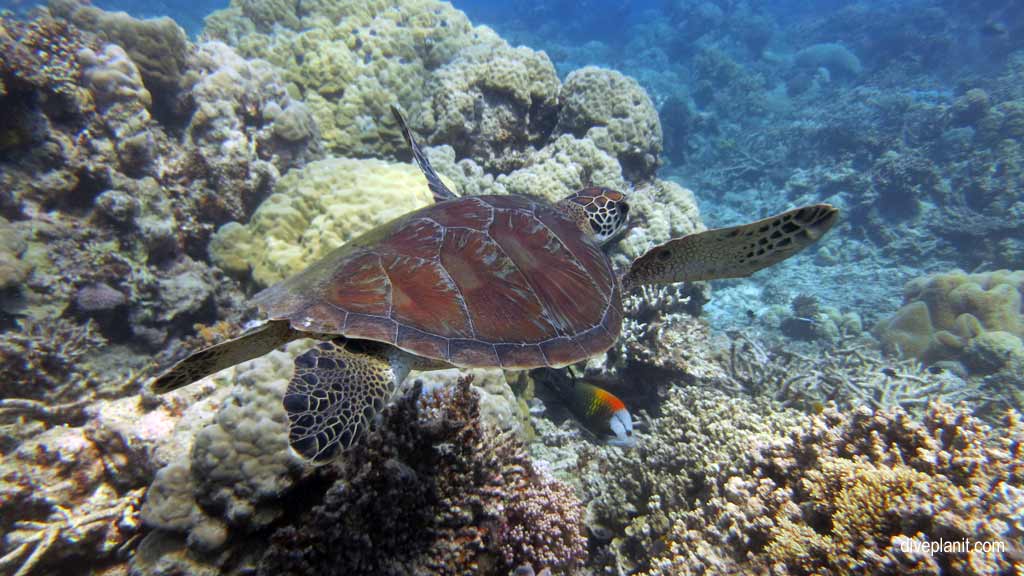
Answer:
x=543 y=525
x=98 y=297
x=433 y=490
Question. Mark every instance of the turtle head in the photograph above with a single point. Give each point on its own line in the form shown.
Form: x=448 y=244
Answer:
x=601 y=212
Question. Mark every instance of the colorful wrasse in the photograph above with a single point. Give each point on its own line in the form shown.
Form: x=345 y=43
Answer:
x=603 y=412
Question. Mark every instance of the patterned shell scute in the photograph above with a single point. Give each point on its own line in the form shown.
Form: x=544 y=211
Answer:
x=475 y=281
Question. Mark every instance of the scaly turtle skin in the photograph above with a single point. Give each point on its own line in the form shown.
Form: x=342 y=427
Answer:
x=484 y=281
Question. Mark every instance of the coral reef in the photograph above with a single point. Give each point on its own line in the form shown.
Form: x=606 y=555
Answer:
x=45 y=360
x=158 y=47
x=71 y=494
x=239 y=464
x=635 y=497
x=131 y=196
x=493 y=103
x=561 y=168
x=850 y=373
x=432 y=490
x=350 y=62
x=844 y=492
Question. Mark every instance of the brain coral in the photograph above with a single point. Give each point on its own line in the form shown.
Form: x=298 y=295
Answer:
x=961 y=316
x=616 y=113
x=315 y=209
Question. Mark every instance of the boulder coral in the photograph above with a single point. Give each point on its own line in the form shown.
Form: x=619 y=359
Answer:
x=492 y=103
x=314 y=210
x=227 y=478
x=351 y=60
x=974 y=318
x=615 y=112
x=158 y=46
x=131 y=193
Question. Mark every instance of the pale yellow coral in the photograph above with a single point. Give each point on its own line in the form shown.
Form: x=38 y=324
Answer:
x=314 y=210
x=944 y=313
x=353 y=59
x=563 y=167
x=492 y=102
x=663 y=210
x=616 y=113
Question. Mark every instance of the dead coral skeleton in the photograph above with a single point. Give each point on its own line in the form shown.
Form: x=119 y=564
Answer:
x=45 y=358
x=849 y=375
x=32 y=540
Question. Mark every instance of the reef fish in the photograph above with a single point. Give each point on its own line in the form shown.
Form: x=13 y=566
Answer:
x=601 y=412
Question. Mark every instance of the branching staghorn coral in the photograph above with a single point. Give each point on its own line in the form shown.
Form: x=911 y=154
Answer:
x=44 y=359
x=850 y=374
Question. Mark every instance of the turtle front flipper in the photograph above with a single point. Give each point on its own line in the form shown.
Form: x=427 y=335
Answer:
x=733 y=252
x=440 y=191
x=337 y=390
x=252 y=344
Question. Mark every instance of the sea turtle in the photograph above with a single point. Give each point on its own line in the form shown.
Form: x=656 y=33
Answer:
x=476 y=281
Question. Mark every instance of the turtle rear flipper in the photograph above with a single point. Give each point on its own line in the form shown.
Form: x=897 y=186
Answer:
x=337 y=390
x=253 y=344
x=733 y=252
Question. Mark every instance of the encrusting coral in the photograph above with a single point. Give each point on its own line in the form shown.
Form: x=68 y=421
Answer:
x=434 y=490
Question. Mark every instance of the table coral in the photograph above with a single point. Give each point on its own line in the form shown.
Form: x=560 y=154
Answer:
x=314 y=210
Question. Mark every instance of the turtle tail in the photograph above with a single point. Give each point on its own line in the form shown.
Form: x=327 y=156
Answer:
x=733 y=252
x=252 y=344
